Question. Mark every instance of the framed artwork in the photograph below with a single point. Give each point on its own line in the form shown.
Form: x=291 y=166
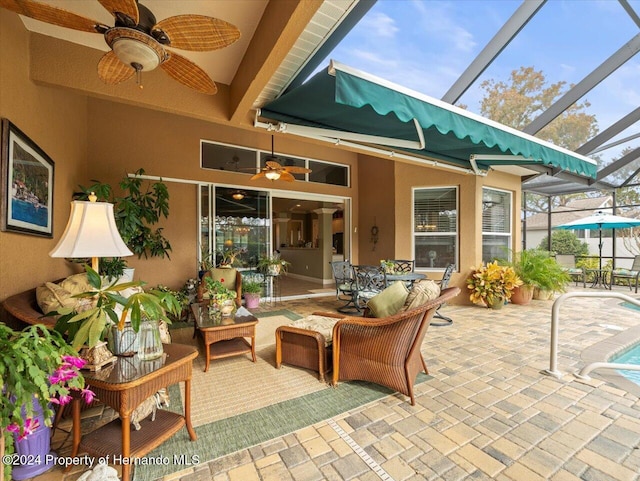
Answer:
x=26 y=190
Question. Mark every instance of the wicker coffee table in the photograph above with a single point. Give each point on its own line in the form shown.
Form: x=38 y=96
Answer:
x=225 y=337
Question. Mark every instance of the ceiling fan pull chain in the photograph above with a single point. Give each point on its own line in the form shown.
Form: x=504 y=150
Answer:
x=138 y=68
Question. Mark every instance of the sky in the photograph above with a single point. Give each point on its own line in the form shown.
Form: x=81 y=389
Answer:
x=425 y=45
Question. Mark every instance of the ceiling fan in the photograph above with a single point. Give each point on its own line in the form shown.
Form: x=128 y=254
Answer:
x=138 y=41
x=274 y=171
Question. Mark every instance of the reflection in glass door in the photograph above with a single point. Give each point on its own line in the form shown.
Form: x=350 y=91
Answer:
x=240 y=225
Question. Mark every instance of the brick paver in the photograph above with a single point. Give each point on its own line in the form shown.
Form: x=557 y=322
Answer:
x=488 y=412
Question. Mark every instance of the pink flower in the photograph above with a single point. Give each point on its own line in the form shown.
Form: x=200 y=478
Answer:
x=30 y=426
x=62 y=375
x=74 y=361
x=88 y=395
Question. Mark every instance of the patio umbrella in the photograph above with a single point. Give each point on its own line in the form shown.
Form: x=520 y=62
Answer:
x=600 y=220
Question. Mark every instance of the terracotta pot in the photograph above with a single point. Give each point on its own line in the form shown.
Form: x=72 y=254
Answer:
x=542 y=295
x=522 y=295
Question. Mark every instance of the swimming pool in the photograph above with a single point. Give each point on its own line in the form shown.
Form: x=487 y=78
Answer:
x=632 y=356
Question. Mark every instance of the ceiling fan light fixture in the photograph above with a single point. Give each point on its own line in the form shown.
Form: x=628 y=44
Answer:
x=135 y=47
x=130 y=51
x=272 y=175
x=238 y=195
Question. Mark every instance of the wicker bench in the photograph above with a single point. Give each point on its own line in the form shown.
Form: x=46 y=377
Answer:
x=22 y=310
x=300 y=346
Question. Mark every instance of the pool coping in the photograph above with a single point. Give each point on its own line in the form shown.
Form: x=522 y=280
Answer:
x=604 y=350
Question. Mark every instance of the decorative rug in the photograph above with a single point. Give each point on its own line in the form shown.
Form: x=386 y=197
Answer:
x=238 y=404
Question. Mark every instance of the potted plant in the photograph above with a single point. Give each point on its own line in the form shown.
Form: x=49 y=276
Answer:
x=37 y=368
x=112 y=269
x=387 y=266
x=252 y=290
x=492 y=284
x=272 y=265
x=538 y=271
x=228 y=256
x=206 y=261
x=108 y=307
x=220 y=297
x=136 y=212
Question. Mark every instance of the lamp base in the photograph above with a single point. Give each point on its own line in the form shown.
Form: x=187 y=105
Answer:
x=97 y=356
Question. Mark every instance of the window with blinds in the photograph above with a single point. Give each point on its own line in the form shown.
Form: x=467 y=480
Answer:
x=496 y=224
x=435 y=227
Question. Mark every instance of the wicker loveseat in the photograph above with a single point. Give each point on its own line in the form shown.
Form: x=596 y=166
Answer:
x=22 y=309
x=385 y=351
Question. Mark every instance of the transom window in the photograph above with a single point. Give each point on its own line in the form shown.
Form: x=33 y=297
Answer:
x=435 y=227
x=248 y=161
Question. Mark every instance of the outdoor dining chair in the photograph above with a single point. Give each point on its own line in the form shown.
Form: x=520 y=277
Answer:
x=403 y=265
x=345 y=285
x=568 y=263
x=369 y=281
x=444 y=283
x=631 y=275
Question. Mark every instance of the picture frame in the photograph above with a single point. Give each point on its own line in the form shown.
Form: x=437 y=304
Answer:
x=26 y=184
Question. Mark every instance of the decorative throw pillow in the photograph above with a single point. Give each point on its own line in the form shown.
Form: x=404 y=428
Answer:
x=422 y=291
x=227 y=277
x=77 y=283
x=51 y=297
x=389 y=301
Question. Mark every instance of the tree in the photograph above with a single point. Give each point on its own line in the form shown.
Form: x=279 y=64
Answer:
x=526 y=96
x=565 y=242
x=517 y=102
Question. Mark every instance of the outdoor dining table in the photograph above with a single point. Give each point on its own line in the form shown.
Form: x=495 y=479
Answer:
x=405 y=277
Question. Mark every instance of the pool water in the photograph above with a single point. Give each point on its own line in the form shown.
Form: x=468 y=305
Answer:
x=631 y=356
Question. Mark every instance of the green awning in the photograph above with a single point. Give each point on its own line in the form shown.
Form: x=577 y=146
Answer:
x=344 y=101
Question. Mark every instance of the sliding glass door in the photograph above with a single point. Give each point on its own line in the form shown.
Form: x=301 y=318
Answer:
x=235 y=225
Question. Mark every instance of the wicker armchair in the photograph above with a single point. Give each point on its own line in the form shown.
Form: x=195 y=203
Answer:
x=385 y=351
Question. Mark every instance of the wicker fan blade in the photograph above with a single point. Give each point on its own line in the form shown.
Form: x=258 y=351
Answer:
x=52 y=15
x=188 y=73
x=197 y=32
x=284 y=175
x=112 y=71
x=259 y=175
x=297 y=170
x=128 y=7
x=273 y=165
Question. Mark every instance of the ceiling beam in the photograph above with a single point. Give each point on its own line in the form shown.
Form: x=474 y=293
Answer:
x=281 y=25
x=574 y=94
x=498 y=43
x=618 y=164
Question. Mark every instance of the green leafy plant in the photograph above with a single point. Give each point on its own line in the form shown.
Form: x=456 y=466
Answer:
x=274 y=263
x=112 y=268
x=228 y=257
x=136 y=212
x=387 y=265
x=536 y=267
x=217 y=290
x=491 y=283
x=35 y=362
x=252 y=287
x=108 y=306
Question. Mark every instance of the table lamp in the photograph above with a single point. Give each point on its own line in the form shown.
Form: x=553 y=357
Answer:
x=91 y=232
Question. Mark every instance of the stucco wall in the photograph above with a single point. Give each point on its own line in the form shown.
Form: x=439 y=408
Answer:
x=56 y=121
x=124 y=138
x=408 y=176
x=377 y=197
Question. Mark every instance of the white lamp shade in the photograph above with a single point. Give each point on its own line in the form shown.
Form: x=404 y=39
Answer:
x=91 y=232
x=272 y=174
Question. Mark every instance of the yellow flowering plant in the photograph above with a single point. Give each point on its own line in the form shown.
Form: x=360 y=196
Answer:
x=491 y=282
